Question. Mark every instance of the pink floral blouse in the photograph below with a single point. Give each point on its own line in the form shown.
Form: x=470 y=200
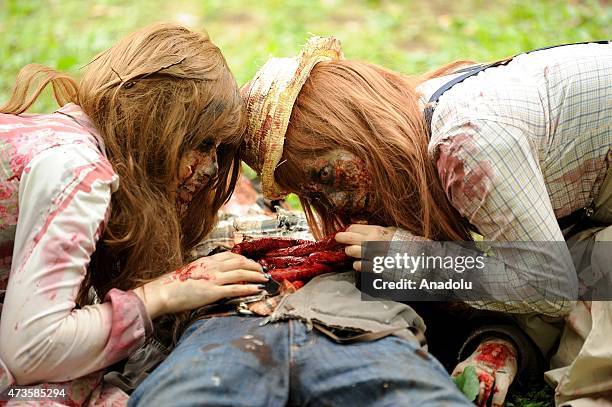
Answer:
x=55 y=196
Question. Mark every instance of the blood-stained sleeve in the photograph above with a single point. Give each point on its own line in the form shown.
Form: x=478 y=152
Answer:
x=64 y=202
x=491 y=176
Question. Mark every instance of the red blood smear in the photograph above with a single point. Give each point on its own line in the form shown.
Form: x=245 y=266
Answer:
x=298 y=284
x=494 y=354
x=282 y=262
x=184 y=273
x=100 y=171
x=300 y=250
x=487 y=379
x=126 y=330
x=326 y=244
x=256 y=248
x=304 y=272
x=59 y=255
x=328 y=257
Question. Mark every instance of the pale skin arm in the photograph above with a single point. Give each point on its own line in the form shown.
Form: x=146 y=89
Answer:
x=202 y=282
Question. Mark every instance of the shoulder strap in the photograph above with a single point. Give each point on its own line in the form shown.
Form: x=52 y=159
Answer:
x=476 y=69
x=470 y=71
x=564 y=222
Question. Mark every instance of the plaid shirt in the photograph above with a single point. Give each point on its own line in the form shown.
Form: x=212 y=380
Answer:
x=517 y=147
x=232 y=229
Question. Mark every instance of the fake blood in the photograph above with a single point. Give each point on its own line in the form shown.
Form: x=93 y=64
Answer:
x=184 y=273
x=494 y=355
x=100 y=172
x=301 y=273
x=59 y=255
x=256 y=248
x=329 y=257
x=328 y=243
x=126 y=328
x=298 y=284
x=295 y=260
x=282 y=262
x=488 y=380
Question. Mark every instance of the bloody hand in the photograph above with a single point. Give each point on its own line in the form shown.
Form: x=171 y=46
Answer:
x=496 y=366
x=295 y=260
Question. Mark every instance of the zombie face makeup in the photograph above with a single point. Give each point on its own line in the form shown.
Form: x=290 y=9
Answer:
x=339 y=181
x=197 y=168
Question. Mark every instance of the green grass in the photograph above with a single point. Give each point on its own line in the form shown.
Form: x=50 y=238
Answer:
x=407 y=36
x=535 y=395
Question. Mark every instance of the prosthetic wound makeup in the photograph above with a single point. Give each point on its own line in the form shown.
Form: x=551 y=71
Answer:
x=269 y=100
x=295 y=260
x=197 y=169
x=340 y=182
x=348 y=137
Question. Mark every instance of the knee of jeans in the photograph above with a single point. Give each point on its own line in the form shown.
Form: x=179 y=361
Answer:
x=418 y=354
x=154 y=392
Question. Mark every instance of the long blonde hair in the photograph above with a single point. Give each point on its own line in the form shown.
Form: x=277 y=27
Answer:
x=153 y=96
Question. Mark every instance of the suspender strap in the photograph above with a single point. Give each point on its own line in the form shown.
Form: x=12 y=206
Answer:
x=470 y=71
x=564 y=222
x=475 y=70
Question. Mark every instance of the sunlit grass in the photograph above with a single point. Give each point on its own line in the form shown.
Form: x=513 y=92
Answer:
x=407 y=36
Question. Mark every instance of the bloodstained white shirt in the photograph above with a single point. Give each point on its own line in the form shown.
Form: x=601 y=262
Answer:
x=55 y=197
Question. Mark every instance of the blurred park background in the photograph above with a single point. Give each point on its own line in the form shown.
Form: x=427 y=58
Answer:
x=409 y=36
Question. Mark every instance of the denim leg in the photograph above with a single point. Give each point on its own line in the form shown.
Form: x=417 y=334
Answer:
x=225 y=361
x=387 y=372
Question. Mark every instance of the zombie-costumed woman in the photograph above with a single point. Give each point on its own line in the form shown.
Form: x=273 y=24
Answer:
x=95 y=198
x=513 y=150
x=320 y=345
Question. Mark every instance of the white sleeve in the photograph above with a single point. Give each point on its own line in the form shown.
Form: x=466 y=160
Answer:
x=64 y=200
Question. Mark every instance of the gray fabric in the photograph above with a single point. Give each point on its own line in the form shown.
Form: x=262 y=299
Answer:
x=334 y=301
x=138 y=366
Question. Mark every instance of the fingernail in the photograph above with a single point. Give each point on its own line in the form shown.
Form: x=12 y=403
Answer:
x=267 y=275
x=261 y=286
x=264 y=268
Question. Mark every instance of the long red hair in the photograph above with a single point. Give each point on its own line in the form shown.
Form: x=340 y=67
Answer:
x=373 y=113
x=153 y=96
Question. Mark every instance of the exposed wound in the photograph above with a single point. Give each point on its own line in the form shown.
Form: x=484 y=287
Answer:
x=466 y=186
x=495 y=355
